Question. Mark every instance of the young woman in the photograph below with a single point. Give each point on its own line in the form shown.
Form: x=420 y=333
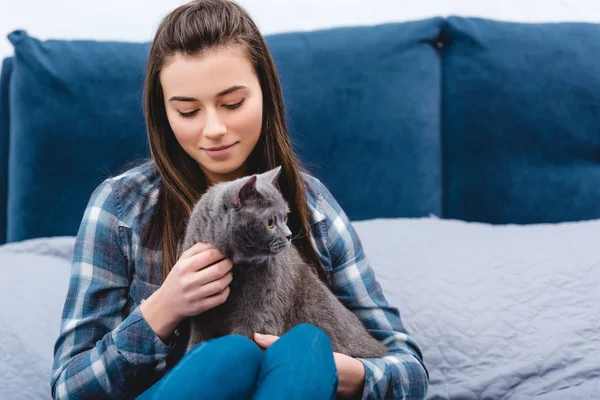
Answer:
x=214 y=112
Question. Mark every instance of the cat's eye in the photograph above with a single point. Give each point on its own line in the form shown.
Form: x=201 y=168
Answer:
x=271 y=222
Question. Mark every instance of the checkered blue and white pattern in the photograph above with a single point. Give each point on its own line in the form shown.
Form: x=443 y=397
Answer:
x=106 y=349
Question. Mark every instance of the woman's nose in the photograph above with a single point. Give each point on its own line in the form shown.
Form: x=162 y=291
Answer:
x=214 y=127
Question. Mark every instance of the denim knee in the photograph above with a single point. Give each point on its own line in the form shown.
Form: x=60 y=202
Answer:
x=309 y=332
x=231 y=350
x=299 y=365
x=226 y=367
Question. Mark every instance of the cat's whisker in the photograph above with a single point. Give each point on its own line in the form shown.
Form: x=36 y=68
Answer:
x=297 y=235
x=300 y=235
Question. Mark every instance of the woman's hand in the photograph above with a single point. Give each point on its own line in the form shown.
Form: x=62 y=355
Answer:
x=351 y=372
x=198 y=282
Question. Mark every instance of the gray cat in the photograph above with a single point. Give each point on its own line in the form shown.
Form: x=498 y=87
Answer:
x=273 y=288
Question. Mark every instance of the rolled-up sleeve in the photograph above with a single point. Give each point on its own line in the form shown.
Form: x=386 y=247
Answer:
x=100 y=350
x=402 y=373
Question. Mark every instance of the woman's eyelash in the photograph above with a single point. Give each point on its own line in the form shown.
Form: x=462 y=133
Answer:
x=227 y=106
x=234 y=106
x=188 y=114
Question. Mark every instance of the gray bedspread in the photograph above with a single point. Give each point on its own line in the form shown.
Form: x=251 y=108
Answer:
x=500 y=312
x=34 y=276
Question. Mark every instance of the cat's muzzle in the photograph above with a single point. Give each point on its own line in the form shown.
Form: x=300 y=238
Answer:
x=279 y=245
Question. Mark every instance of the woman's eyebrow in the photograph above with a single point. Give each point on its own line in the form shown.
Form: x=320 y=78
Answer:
x=220 y=94
x=182 y=98
x=230 y=90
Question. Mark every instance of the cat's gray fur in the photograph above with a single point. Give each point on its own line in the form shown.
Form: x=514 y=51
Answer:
x=273 y=288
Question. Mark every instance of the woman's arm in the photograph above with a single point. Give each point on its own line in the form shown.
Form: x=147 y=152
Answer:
x=100 y=351
x=401 y=374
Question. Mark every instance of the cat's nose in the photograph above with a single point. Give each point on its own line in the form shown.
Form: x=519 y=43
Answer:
x=289 y=237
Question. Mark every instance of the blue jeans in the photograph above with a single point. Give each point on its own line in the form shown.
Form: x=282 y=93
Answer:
x=297 y=366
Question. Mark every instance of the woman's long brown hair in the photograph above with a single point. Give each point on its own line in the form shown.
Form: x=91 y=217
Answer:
x=192 y=29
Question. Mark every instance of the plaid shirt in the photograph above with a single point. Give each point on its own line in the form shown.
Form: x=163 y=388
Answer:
x=106 y=349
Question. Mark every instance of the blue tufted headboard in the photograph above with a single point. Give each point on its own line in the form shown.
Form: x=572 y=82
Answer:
x=462 y=118
x=4 y=135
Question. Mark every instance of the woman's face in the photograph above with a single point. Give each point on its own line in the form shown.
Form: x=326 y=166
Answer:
x=214 y=106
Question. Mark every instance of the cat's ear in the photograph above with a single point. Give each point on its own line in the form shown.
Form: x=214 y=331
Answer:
x=245 y=191
x=272 y=175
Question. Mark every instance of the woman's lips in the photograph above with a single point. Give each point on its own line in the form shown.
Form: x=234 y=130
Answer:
x=220 y=152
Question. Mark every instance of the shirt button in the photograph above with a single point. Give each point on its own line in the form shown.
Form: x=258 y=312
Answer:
x=176 y=332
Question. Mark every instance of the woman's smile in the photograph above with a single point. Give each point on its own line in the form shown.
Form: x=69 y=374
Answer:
x=220 y=152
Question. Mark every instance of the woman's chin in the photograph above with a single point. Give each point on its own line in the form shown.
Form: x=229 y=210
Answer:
x=225 y=170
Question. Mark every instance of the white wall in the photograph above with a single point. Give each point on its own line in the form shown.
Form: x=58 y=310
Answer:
x=135 y=20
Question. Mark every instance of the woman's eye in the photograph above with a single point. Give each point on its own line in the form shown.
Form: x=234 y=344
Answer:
x=234 y=106
x=271 y=222
x=188 y=114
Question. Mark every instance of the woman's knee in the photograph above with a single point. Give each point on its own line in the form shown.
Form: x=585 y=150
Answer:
x=228 y=351
x=306 y=334
x=234 y=344
x=227 y=366
x=300 y=365
x=306 y=328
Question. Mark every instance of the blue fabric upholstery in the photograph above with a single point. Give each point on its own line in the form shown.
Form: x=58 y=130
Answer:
x=364 y=110
x=464 y=118
x=521 y=121
x=356 y=97
x=76 y=117
x=4 y=128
